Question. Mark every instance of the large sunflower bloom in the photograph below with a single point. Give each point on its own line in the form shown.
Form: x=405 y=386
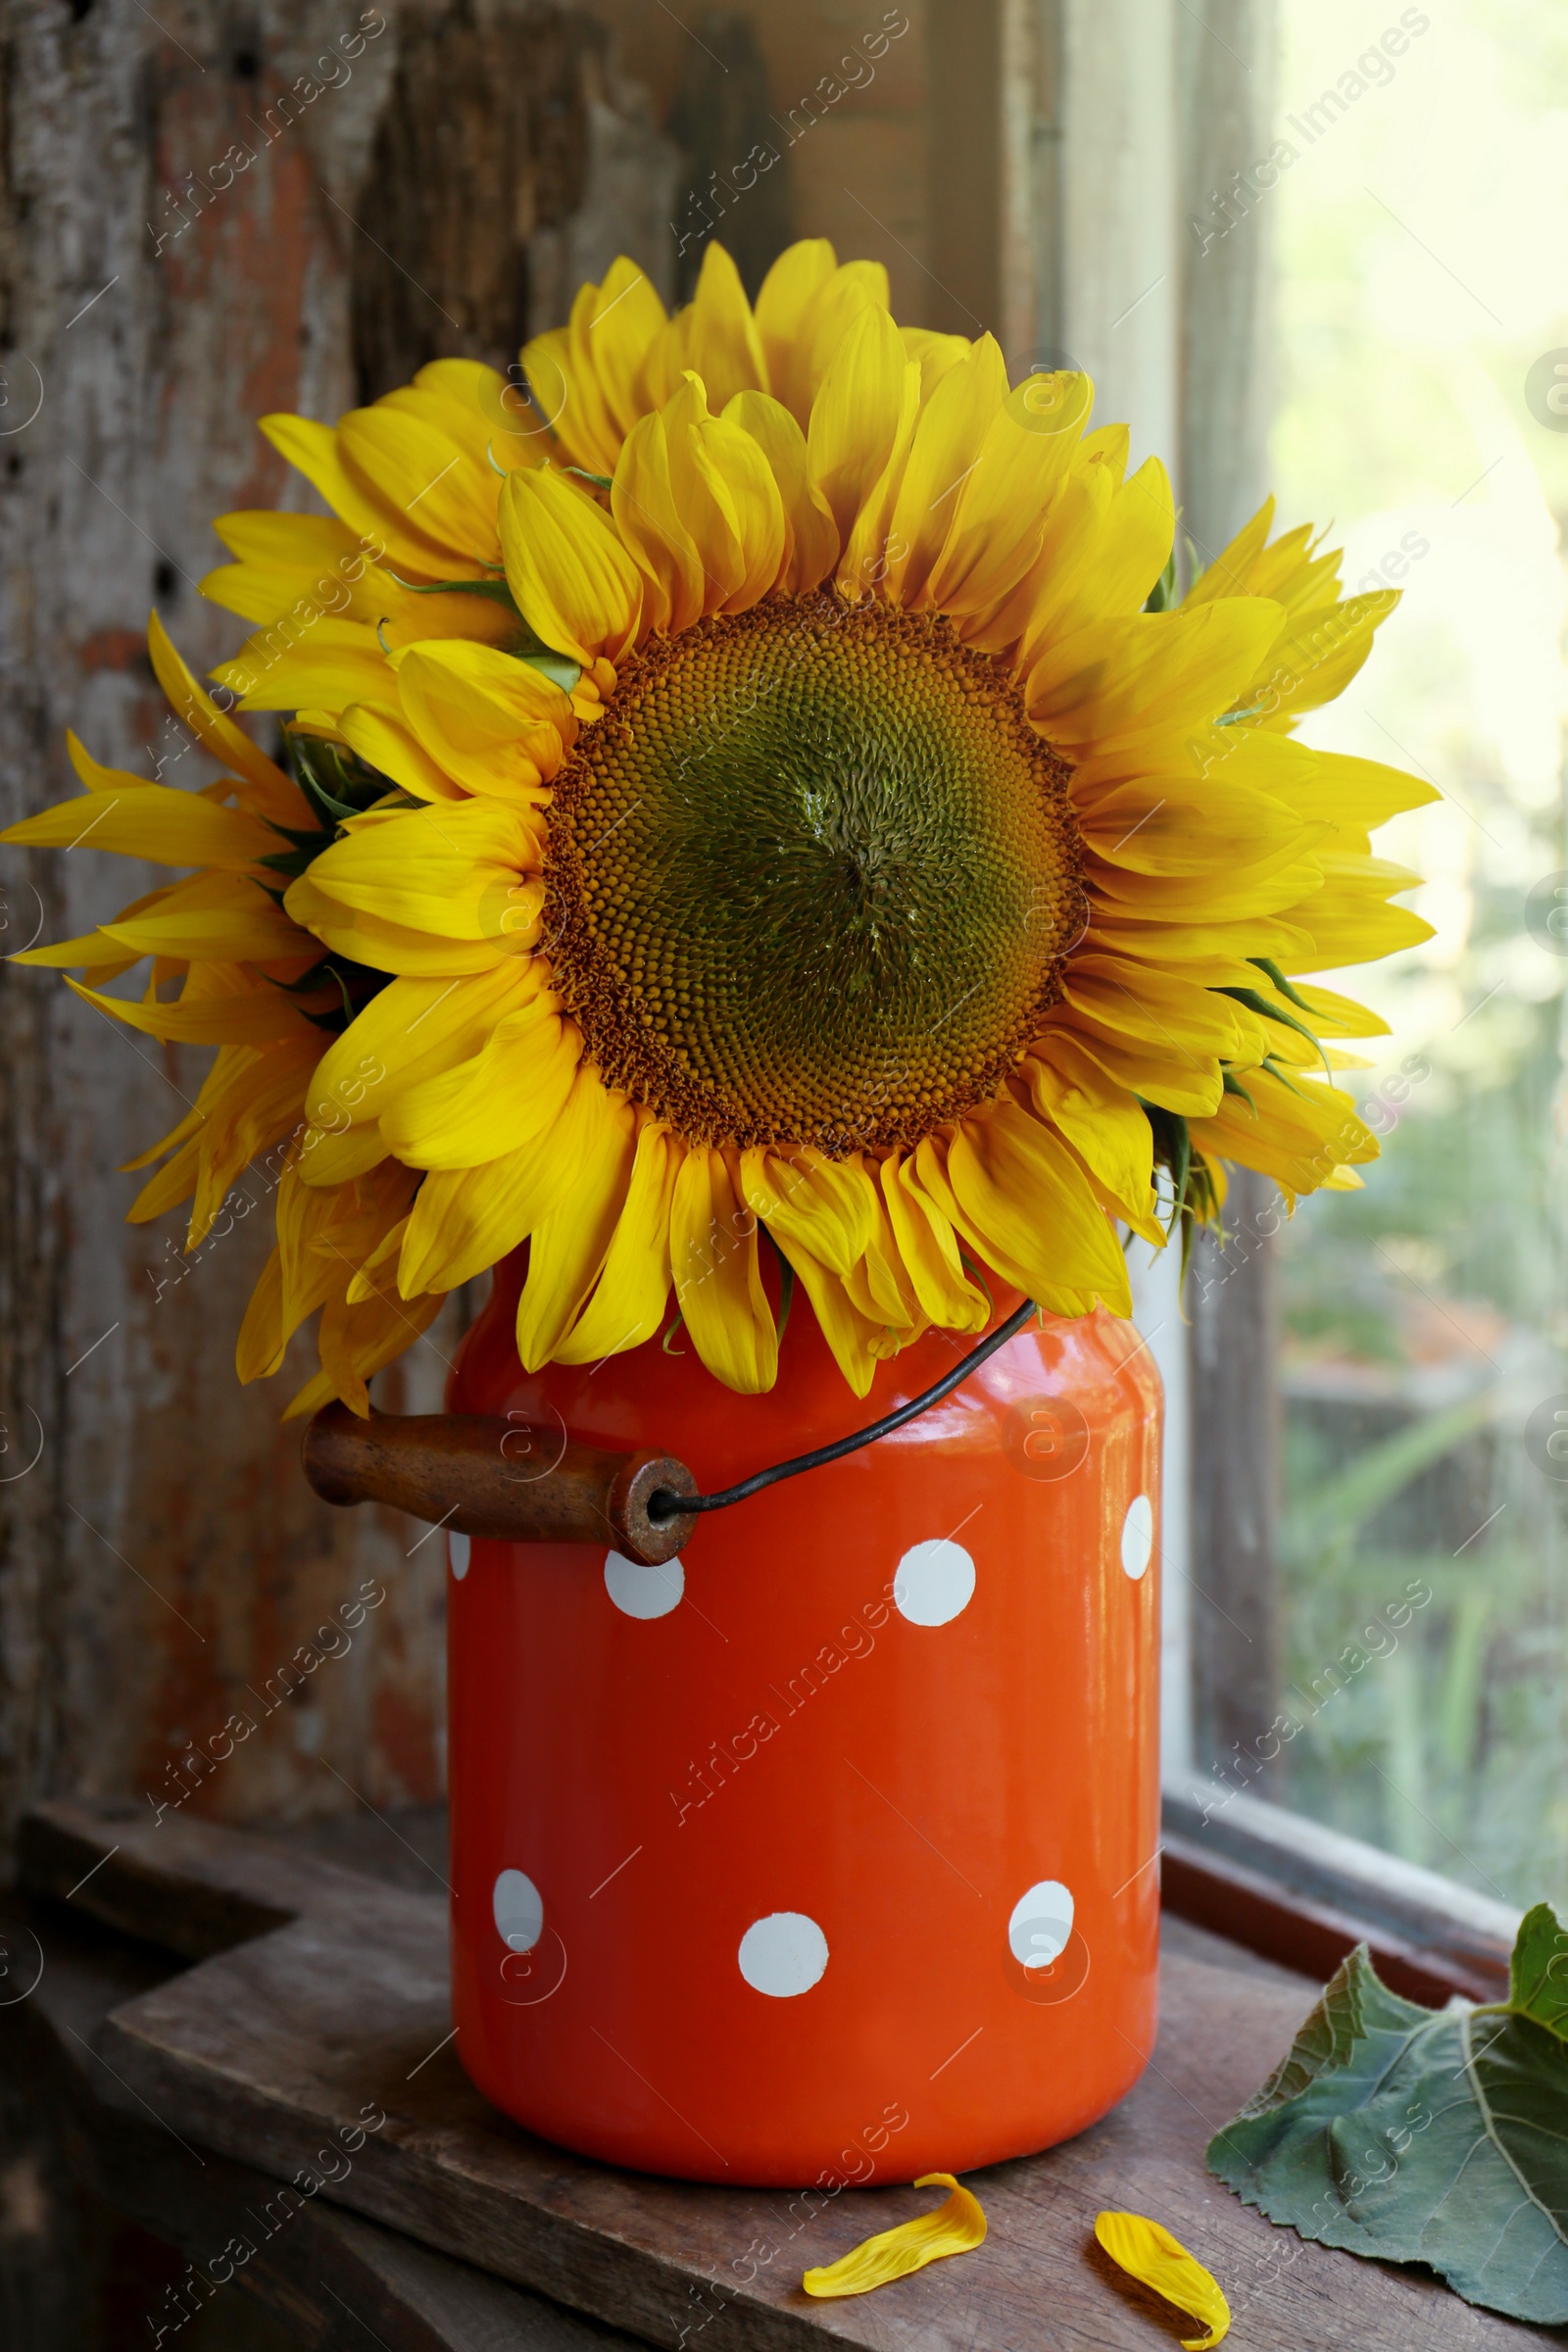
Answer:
x=820 y=839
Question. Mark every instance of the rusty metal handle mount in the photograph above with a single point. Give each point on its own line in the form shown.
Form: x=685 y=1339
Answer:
x=481 y=1475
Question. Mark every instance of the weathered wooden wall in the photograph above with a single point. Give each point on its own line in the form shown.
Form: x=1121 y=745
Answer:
x=161 y=1559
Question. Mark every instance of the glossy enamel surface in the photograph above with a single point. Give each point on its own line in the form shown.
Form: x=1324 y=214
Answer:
x=829 y=1847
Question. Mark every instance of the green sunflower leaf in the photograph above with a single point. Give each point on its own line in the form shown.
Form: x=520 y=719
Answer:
x=1413 y=2135
x=1537 y=1979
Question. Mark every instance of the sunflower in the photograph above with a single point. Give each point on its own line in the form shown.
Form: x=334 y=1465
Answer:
x=795 y=817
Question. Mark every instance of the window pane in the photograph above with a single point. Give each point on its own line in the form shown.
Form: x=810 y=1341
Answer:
x=1423 y=305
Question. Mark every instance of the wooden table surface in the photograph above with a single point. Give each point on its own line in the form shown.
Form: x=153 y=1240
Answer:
x=319 y=1996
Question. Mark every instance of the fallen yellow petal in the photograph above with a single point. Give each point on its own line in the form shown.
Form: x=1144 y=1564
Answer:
x=1152 y=2255
x=955 y=2228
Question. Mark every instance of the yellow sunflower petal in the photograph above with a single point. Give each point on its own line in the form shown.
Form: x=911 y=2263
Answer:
x=571 y=577
x=1121 y=677
x=455 y=870
x=725 y=489
x=1178 y=825
x=787 y=292
x=651 y=528
x=952 y=426
x=628 y=1304
x=719 y=1284
x=569 y=1248
x=312 y=450
x=1105 y=1125
x=934 y=354
x=133 y=818
x=466 y=1218
x=411 y=1030
x=258 y=1350
x=999 y=515
x=848 y=1330
x=828 y=1207
x=501 y=1099
x=811 y=538
x=1312 y=661
x=928 y=1250
x=855 y=415
x=412 y=950
x=224 y=916
x=616 y=331
x=252 y=1018
x=418 y=473
x=721 y=340
x=853 y=286
x=1034 y=1216
x=382 y=737
x=270 y=792
x=497 y=724
x=1150 y=2254
x=329 y=663
x=957 y=2226
x=356 y=1341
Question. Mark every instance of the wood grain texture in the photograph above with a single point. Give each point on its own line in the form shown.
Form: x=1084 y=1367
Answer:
x=479 y=1475
x=329 y=2278
x=262 y=2052
x=165 y=1572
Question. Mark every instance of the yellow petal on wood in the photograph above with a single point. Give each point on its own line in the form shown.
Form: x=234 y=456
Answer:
x=955 y=2228
x=1156 y=2259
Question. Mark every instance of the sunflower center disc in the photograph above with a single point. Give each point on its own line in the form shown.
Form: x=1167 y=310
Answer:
x=811 y=878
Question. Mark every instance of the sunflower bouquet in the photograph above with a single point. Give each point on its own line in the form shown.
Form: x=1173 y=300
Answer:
x=755 y=781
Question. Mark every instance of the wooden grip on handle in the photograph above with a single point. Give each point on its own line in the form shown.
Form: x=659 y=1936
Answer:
x=482 y=1476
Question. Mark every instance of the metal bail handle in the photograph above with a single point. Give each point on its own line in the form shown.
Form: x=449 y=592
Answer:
x=470 y=1472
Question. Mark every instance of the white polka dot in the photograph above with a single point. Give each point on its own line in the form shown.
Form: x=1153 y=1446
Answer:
x=1041 y=1924
x=1138 y=1535
x=783 y=1954
x=520 y=1910
x=639 y=1592
x=460 y=1547
x=935 y=1581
